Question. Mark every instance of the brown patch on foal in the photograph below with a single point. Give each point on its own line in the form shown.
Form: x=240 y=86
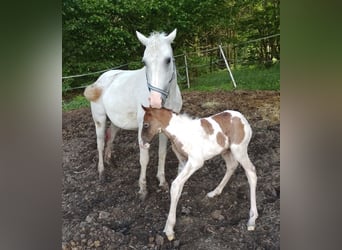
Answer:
x=239 y=132
x=233 y=128
x=92 y=93
x=178 y=146
x=208 y=128
x=221 y=139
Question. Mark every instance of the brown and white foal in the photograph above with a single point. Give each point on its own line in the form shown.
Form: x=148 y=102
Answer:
x=196 y=140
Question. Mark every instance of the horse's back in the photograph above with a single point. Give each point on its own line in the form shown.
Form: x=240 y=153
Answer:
x=123 y=97
x=95 y=91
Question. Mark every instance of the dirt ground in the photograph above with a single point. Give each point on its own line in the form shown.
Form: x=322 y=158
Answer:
x=111 y=215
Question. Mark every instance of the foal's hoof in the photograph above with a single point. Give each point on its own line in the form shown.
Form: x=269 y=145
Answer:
x=164 y=186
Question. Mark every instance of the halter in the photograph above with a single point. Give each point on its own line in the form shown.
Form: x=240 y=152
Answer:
x=164 y=93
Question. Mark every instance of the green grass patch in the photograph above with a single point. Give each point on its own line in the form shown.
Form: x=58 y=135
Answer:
x=79 y=101
x=246 y=78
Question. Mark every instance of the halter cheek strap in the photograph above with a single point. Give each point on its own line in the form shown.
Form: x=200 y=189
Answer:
x=164 y=93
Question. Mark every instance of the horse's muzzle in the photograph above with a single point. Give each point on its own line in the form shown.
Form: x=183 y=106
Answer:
x=155 y=100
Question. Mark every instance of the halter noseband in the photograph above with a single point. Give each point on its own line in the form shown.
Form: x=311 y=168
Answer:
x=164 y=93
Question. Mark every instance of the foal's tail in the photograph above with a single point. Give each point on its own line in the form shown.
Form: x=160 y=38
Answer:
x=93 y=92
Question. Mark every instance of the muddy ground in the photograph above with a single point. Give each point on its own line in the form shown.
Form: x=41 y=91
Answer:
x=111 y=215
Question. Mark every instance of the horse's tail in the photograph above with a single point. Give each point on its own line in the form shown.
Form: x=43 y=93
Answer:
x=93 y=92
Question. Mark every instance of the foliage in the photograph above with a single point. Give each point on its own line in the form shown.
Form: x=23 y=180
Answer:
x=101 y=34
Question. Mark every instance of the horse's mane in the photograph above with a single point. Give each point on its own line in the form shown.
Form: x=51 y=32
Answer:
x=157 y=35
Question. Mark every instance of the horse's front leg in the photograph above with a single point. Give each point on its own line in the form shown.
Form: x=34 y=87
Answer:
x=161 y=161
x=144 y=159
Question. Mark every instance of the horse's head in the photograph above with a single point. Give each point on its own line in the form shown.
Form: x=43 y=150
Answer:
x=155 y=120
x=159 y=65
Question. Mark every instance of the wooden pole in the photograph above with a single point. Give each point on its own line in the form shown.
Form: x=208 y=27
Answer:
x=186 y=71
x=227 y=65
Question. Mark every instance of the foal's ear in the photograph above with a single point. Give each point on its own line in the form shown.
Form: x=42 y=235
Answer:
x=144 y=108
x=171 y=36
x=143 y=39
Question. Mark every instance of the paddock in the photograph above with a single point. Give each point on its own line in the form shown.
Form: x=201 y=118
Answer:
x=111 y=215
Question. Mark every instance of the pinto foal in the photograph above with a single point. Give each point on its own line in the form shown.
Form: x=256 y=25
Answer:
x=196 y=140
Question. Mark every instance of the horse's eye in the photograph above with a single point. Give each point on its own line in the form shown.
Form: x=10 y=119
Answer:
x=168 y=60
x=144 y=62
x=146 y=125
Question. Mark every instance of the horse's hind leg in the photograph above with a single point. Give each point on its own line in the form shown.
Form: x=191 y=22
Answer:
x=231 y=165
x=161 y=161
x=240 y=154
x=100 y=124
x=110 y=136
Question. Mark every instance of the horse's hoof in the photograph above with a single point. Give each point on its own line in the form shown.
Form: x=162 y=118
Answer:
x=107 y=160
x=164 y=186
x=170 y=237
x=250 y=227
x=143 y=195
x=102 y=178
x=211 y=194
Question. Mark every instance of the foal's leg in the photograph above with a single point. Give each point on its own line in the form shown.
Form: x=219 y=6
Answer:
x=231 y=165
x=110 y=135
x=176 y=190
x=161 y=161
x=182 y=160
x=240 y=153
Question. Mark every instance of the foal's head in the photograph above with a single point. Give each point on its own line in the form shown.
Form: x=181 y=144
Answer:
x=155 y=120
x=159 y=63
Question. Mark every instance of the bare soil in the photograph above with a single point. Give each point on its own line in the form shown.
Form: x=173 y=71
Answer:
x=111 y=215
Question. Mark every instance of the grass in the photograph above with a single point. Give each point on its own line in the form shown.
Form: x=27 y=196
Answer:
x=246 y=78
x=76 y=102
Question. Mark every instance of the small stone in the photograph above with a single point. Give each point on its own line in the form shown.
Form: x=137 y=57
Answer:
x=159 y=240
x=90 y=242
x=83 y=224
x=217 y=215
x=150 y=239
x=104 y=215
x=97 y=243
x=89 y=218
x=185 y=210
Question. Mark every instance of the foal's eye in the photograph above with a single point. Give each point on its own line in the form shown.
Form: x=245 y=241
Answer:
x=168 y=60
x=146 y=125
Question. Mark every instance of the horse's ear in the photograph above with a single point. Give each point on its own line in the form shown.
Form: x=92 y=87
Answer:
x=171 y=36
x=143 y=39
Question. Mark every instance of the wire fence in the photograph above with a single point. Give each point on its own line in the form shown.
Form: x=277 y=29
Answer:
x=202 y=61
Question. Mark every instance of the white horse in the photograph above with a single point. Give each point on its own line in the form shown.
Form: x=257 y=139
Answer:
x=197 y=140
x=119 y=95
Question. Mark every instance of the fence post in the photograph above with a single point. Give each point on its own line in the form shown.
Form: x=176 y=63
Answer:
x=227 y=65
x=186 y=71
